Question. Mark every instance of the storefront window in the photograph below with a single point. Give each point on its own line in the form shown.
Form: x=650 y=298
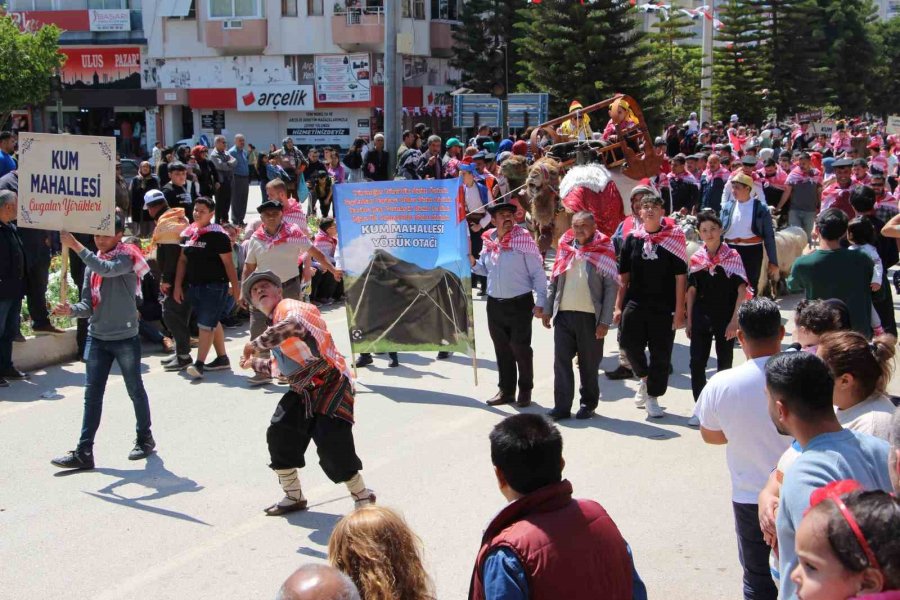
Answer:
x=101 y=4
x=447 y=10
x=230 y=9
x=288 y=8
x=315 y=8
x=17 y=5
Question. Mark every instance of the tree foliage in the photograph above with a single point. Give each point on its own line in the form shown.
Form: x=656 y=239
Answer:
x=27 y=62
x=484 y=36
x=885 y=85
x=679 y=64
x=739 y=70
x=851 y=52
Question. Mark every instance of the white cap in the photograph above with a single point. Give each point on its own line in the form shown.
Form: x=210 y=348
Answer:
x=153 y=196
x=734 y=118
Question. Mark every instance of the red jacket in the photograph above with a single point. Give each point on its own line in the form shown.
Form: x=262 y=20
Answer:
x=569 y=548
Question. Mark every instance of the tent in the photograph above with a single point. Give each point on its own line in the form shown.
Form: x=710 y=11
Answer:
x=403 y=303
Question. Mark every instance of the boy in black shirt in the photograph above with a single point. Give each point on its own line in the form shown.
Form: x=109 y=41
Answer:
x=717 y=286
x=179 y=192
x=650 y=303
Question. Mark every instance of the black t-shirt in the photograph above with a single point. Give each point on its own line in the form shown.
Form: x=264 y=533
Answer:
x=652 y=282
x=204 y=263
x=716 y=294
x=179 y=197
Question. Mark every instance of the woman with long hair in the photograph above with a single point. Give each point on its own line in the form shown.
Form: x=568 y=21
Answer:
x=375 y=547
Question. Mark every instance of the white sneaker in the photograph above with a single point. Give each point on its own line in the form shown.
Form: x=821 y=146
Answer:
x=653 y=409
x=640 y=397
x=694 y=421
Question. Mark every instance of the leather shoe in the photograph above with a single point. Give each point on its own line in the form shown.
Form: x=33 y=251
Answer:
x=500 y=398
x=620 y=373
x=364 y=360
x=524 y=398
x=13 y=373
x=276 y=510
x=584 y=413
x=558 y=415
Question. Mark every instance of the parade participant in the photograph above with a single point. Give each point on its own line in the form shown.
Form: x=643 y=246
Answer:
x=224 y=163
x=692 y=165
x=747 y=226
x=650 y=303
x=179 y=192
x=848 y=545
x=580 y=302
x=579 y=126
x=474 y=195
x=318 y=582
x=12 y=285
x=717 y=286
x=802 y=189
x=860 y=172
x=514 y=268
x=150 y=307
x=111 y=285
x=684 y=187
x=773 y=179
x=712 y=183
x=241 y=180
x=861 y=372
x=862 y=238
x=326 y=289
x=480 y=160
x=733 y=410
x=376 y=167
x=292 y=210
x=381 y=554
x=319 y=404
x=429 y=165
x=452 y=158
x=544 y=543
x=801 y=137
x=815 y=273
x=207 y=175
x=142 y=183
x=799 y=387
x=205 y=268
x=883 y=197
x=840 y=139
x=621 y=120
x=314 y=163
x=878 y=160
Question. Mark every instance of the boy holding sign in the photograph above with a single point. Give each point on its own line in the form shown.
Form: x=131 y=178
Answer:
x=112 y=281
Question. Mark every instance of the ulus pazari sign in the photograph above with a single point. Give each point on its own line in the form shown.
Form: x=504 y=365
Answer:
x=67 y=182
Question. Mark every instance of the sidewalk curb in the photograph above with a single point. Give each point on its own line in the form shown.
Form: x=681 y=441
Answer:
x=40 y=351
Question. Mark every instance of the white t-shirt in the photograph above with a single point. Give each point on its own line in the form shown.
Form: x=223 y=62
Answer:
x=741 y=221
x=873 y=416
x=280 y=259
x=734 y=402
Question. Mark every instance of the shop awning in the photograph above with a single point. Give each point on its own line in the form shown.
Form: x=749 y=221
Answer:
x=174 y=8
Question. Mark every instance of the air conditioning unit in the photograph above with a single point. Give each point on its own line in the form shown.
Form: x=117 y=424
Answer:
x=232 y=24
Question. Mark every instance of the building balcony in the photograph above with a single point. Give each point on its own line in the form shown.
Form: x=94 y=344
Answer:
x=358 y=28
x=441 y=38
x=238 y=36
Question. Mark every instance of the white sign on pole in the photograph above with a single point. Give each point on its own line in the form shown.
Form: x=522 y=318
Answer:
x=67 y=182
x=322 y=128
x=893 y=124
x=343 y=78
x=275 y=97
x=823 y=128
x=110 y=20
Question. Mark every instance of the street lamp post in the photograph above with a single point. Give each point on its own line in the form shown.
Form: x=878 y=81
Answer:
x=706 y=74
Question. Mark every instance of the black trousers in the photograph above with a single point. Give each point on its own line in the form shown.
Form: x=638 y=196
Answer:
x=752 y=257
x=509 y=323
x=753 y=553
x=574 y=335
x=36 y=278
x=883 y=302
x=223 y=201
x=291 y=430
x=703 y=330
x=177 y=318
x=477 y=243
x=651 y=329
x=76 y=268
x=325 y=286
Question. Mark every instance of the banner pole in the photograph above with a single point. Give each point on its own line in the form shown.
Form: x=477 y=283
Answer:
x=475 y=368
x=64 y=277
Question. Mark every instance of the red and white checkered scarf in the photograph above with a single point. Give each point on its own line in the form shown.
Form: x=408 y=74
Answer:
x=311 y=319
x=669 y=237
x=294 y=213
x=683 y=177
x=798 y=176
x=325 y=243
x=726 y=257
x=193 y=232
x=139 y=265
x=287 y=233
x=598 y=251
x=722 y=173
x=518 y=240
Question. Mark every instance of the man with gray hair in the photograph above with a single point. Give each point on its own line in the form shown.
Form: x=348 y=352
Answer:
x=894 y=456
x=318 y=582
x=12 y=285
x=224 y=163
x=430 y=165
x=240 y=187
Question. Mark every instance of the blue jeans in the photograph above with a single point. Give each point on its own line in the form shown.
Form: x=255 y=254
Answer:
x=149 y=332
x=100 y=355
x=9 y=328
x=753 y=553
x=208 y=301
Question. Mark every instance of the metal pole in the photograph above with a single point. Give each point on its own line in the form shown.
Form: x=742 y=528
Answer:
x=392 y=96
x=59 y=115
x=504 y=102
x=706 y=76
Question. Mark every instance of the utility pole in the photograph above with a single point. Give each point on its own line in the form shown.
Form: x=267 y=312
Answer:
x=392 y=83
x=706 y=76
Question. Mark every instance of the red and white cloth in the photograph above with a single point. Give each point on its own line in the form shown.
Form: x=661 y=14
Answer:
x=139 y=265
x=326 y=244
x=598 y=251
x=193 y=232
x=721 y=173
x=683 y=177
x=798 y=176
x=517 y=240
x=834 y=196
x=777 y=181
x=725 y=257
x=669 y=237
x=293 y=213
x=288 y=233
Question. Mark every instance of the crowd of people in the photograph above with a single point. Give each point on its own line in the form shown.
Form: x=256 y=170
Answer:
x=812 y=436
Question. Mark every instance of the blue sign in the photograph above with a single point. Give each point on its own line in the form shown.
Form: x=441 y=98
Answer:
x=466 y=107
x=527 y=110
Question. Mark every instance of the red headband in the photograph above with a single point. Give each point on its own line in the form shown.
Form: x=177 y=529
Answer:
x=833 y=491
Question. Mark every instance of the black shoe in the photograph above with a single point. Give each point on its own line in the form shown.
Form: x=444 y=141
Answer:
x=3 y=383
x=142 y=448
x=195 y=370
x=671 y=369
x=621 y=372
x=220 y=364
x=444 y=355
x=21 y=338
x=177 y=364
x=364 y=360
x=13 y=373
x=524 y=398
x=75 y=459
x=558 y=415
x=394 y=362
x=584 y=413
x=501 y=398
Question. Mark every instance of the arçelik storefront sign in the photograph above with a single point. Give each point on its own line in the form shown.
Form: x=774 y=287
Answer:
x=275 y=97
